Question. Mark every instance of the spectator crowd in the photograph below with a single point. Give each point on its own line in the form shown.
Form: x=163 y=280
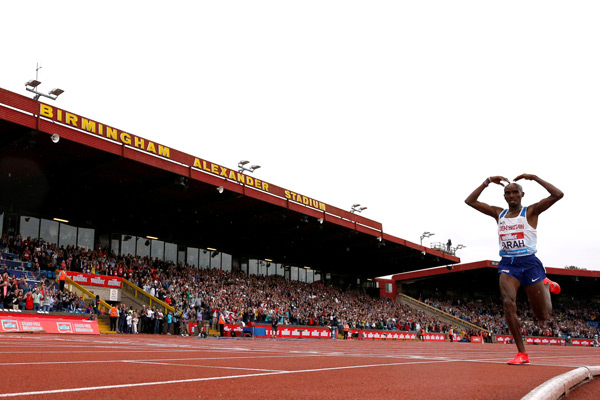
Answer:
x=216 y=297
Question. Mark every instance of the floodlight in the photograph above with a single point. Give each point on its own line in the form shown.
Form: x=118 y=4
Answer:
x=56 y=92
x=33 y=83
x=357 y=208
x=243 y=169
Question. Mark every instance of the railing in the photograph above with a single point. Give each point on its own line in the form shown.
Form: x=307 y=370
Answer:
x=144 y=297
x=410 y=300
x=84 y=292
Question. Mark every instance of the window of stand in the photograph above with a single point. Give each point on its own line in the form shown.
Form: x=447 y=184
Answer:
x=64 y=234
x=54 y=232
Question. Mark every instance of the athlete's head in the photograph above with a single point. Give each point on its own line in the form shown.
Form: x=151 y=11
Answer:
x=513 y=193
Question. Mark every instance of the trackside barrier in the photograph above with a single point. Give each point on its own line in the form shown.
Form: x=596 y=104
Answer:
x=558 y=386
x=555 y=341
x=42 y=322
x=304 y=332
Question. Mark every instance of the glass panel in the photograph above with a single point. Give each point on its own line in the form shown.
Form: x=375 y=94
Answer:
x=262 y=268
x=85 y=238
x=294 y=273
x=49 y=231
x=215 y=260
x=204 y=259
x=1 y=222
x=252 y=267
x=142 y=247
x=114 y=246
x=310 y=275
x=302 y=274
x=317 y=276
x=171 y=252
x=67 y=235
x=157 y=249
x=279 y=269
x=29 y=227
x=127 y=245
x=226 y=262
x=192 y=256
x=181 y=256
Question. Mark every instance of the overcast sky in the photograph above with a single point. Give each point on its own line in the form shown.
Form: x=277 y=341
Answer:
x=402 y=106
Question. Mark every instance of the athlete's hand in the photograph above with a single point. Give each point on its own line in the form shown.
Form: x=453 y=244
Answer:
x=498 y=180
x=529 y=177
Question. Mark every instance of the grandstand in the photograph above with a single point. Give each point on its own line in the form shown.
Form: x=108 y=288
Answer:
x=111 y=195
x=144 y=198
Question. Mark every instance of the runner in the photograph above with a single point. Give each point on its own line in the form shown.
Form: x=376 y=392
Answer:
x=518 y=239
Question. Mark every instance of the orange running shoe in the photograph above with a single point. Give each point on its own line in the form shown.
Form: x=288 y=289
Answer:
x=554 y=287
x=520 y=359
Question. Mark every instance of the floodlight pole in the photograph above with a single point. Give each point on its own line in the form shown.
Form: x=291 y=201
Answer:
x=31 y=85
x=426 y=235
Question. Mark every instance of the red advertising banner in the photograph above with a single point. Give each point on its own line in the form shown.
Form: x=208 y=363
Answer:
x=384 y=335
x=45 y=323
x=283 y=331
x=434 y=337
x=113 y=282
x=535 y=340
x=582 y=342
x=325 y=333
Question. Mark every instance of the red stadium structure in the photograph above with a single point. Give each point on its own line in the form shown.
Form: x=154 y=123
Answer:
x=60 y=166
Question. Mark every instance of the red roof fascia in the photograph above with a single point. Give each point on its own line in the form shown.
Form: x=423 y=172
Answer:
x=437 y=271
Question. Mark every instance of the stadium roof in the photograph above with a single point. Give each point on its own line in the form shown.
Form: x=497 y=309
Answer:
x=100 y=177
x=481 y=279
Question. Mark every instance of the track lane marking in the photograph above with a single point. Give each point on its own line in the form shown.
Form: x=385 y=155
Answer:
x=204 y=366
x=151 y=360
x=130 y=385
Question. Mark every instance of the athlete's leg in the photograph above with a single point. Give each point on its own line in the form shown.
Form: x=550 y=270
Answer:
x=509 y=287
x=539 y=298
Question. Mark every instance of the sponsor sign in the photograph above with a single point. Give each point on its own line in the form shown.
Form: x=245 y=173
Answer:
x=48 y=324
x=96 y=280
x=10 y=325
x=535 y=340
x=582 y=342
x=286 y=331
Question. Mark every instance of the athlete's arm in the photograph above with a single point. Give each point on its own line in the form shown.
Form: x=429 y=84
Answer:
x=492 y=211
x=555 y=195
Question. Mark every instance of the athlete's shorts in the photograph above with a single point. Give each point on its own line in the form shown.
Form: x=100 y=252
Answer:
x=528 y=270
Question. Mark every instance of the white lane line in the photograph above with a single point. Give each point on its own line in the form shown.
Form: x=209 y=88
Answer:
x=130 y=385
x=151 y=360
x=204 y=366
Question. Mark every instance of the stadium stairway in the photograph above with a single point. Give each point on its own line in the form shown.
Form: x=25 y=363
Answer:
x=439 y=314
x=104 y=324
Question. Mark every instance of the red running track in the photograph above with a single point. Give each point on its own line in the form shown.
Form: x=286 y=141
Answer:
x=169 y=367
